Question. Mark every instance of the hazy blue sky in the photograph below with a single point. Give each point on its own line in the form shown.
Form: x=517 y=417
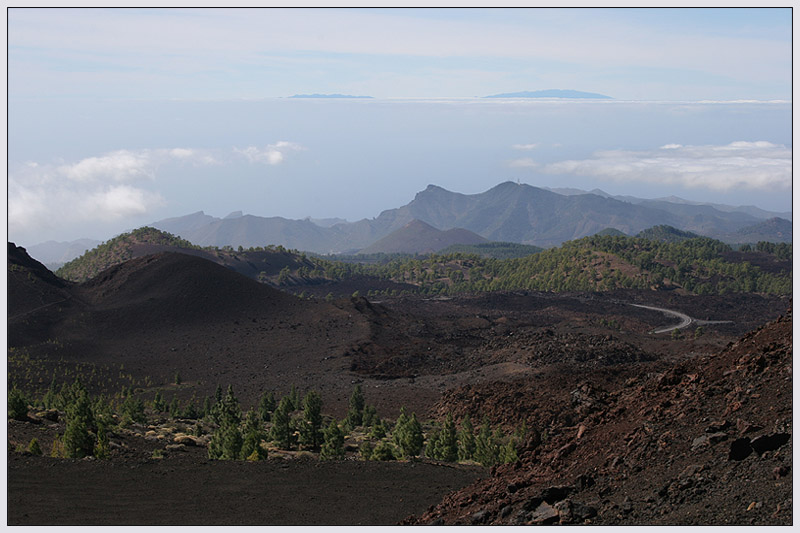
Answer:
x=122 y=117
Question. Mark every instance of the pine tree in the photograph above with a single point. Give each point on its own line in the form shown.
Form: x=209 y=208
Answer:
x=384 y=451
x=50 y=397
x=266 y=405
x=17 y=404
x=282 y=428
x=485 y=449
x=370 y=416
x=226 y=444
x=102 y=449
x=508 y=452
x=355 y=413
x=410 y=438
x=399 y=424
x=378 y=430
x=133 y=408
x=208 y=406
x=430 y=444
x=227 y=410
x=78 y=442
x=365 y=450
x=158 y=403
x=174 y=408
x=294 y=396
x=466 y=440
x=446 y=447
x=333 y=446
x=311 y=430
x=253 y=435
x=190 y=410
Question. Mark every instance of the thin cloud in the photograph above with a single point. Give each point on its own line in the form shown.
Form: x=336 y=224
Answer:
x=129 y=165
x=531 y=146
x=739 y=165
x=272 y=154
x=100 y=188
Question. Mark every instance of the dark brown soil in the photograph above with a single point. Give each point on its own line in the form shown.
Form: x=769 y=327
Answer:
x=192 y=491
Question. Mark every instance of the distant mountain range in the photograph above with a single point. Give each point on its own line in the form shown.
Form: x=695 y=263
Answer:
x=54 y=254
x=748 y=209
x=551 y=93
x=508 y=212
x=419 y=237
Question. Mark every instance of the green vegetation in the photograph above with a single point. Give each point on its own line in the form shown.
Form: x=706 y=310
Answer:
x=661 y=257
x=115 y=251
x=333 y=445
x=664 y=233
x=17 y=404
x=597 y=263
x=34 y=448
x=494 y=250
x=92 y=421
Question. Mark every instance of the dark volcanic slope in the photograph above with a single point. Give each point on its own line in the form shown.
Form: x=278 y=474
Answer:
x=707 y=442
x=170 y=289
x=30 y=285
x=167 y=313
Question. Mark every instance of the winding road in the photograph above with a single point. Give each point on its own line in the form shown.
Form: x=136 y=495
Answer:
x=685 y=320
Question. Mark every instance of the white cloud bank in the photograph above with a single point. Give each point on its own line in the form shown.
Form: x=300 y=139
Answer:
x=740 y=165
x=272 y=154
x=95 y=189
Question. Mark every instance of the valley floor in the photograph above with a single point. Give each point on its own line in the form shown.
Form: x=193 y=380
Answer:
x=190 y=490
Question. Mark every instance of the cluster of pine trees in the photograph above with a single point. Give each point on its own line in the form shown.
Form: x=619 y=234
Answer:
x=597 y=263
x=89 y=421
x=291 y=423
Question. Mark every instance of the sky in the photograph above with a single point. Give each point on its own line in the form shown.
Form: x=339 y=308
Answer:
x=121 y=117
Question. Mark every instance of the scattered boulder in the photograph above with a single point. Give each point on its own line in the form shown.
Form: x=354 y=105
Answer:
x=583 y=512
x=564 y=508
x=744 y=427
x=544 y=514
x=584 y=481
x=717 y=426
x=781 y=471
x=767 y=443
x=740 y=449
x=480 y=517
x=555 y=494
x=707 y=440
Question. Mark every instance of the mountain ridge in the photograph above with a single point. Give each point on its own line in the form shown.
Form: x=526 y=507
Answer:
x=507 y=212
x=420 y=237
